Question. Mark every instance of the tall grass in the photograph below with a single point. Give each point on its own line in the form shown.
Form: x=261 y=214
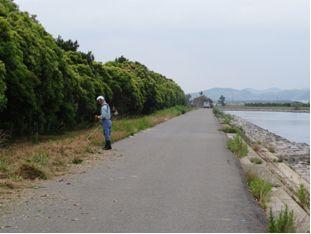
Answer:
x=303 y=196
x=283 y=222
x=53 y=156
x=237 y=146
x=261 y=190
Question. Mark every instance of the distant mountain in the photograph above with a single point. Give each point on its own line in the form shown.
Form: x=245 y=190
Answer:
x=255 y=95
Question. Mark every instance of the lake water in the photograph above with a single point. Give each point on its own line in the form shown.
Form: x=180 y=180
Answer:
x=292 y=126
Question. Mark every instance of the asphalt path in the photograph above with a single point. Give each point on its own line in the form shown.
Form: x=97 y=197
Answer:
x=175 y=177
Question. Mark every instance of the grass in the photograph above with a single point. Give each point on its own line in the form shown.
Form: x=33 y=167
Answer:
x=41 y=158
x=54 y=155
x=29 y=160
x=283 y=222
x=261 y=190
x=77 y=161
x=3 y=166
x=256 y=160
x=229 y=129
x=226 y=119
x=303 y=196
x=217 y=112
x=237 y=146
x=250 y=176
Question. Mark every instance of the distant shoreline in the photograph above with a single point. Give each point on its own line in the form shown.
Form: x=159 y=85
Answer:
x=267 y=109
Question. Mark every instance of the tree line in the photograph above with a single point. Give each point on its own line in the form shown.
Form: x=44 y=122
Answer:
x=48 y=85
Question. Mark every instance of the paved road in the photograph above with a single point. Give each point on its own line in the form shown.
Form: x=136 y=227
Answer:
x=175 y=177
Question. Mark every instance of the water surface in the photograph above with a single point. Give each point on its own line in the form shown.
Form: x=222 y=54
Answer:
x=292 y=126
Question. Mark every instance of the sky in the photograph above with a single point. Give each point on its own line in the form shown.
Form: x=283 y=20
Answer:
x=200 y=44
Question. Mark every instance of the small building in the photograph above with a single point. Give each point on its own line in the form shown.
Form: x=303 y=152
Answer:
x=202 y=102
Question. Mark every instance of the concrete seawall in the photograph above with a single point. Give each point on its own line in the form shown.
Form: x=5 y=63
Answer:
x=296 y=155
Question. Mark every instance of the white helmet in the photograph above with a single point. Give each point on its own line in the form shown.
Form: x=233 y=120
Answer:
x=100 y=98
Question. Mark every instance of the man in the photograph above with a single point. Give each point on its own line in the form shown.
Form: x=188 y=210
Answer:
x=105 y=116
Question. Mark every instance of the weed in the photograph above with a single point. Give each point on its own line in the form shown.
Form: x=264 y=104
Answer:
x=217 y=112
x=89 y=149
x=227 y=119
x=250 y=176
x=237 y=146
x=15 y=177
x=261 y=190
x=41 y=158
x=3 y=166
x=77 y=161
x=182 y=109
x=229 y=129
x=283 y=223
x=143 y=123
x=303 y=196
x=30 y=171
x=256 y=160
x=58 y=163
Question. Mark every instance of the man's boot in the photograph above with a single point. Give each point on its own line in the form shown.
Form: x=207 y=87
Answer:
x=108 y=146
x=104 y=147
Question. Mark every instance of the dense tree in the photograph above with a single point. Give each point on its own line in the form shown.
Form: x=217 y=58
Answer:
x=47 y=85
x=2 y=85
x=67 y=45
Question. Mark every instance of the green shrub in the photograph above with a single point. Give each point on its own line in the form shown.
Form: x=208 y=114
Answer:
x=237 y=146
x=303 y=196
x=261 y=190
x=229 y=129
x=77 y=161
x=283 y=223
x=55 y=85
x=227 y=119
x=217 y=112
x=256 y=160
